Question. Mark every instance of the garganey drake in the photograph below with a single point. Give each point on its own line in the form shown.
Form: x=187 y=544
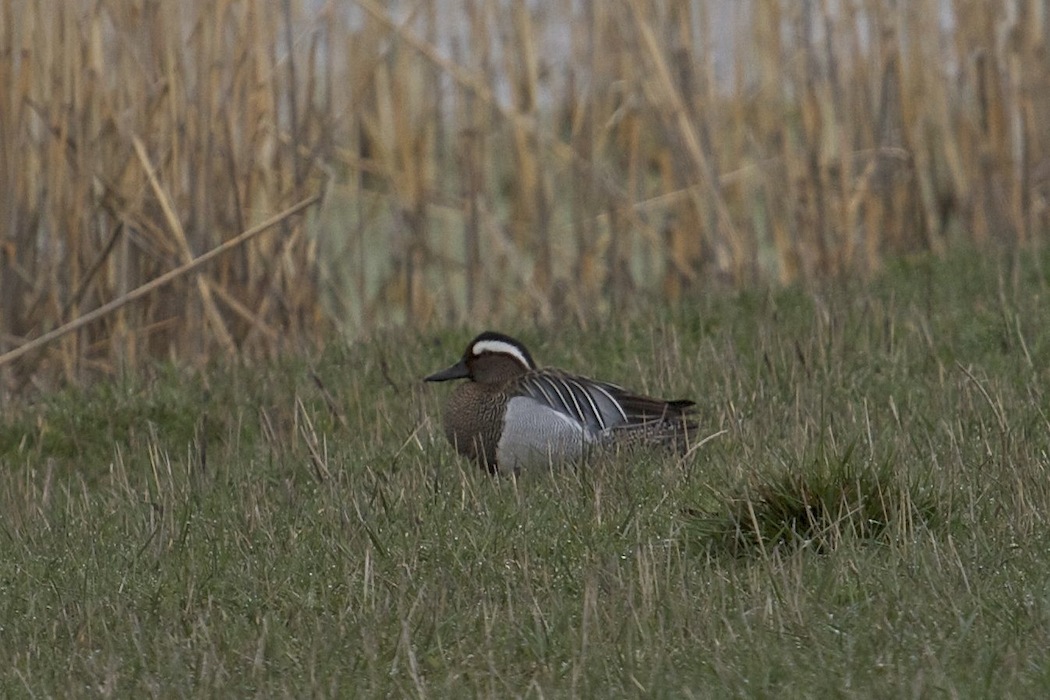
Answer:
x=511 y=415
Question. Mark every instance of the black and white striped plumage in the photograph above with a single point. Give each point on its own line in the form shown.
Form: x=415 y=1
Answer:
x=511 y=415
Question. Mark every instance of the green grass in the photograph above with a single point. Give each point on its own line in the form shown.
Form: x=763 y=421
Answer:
x=872 y=522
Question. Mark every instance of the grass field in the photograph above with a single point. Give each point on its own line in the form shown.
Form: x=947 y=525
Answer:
x=302 y=529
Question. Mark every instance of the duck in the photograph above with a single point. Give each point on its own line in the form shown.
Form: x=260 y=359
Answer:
x=511 y=416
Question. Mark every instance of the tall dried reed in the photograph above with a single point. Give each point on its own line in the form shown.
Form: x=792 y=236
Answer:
x=481 y=160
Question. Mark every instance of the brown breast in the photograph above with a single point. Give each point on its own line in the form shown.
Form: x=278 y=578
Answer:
x=474 y=420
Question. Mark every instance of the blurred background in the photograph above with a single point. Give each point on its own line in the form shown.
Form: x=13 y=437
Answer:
x=538 y=162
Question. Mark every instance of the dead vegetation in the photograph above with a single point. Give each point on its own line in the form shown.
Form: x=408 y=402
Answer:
x=481 y=159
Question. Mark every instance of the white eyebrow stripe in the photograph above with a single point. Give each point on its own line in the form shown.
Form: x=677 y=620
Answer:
x=503 y=348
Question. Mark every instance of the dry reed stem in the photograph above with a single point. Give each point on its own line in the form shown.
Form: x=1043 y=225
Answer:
x=687 y=131
x=184 y=247
x=157 y=283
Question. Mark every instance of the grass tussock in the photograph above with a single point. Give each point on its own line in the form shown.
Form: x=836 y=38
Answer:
x=819 y=504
